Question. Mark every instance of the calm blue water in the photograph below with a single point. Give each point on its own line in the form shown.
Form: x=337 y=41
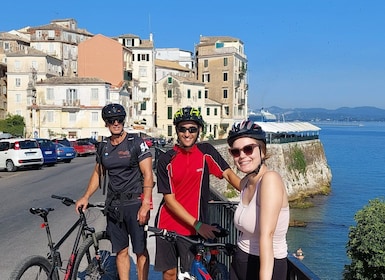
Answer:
x=356 y=157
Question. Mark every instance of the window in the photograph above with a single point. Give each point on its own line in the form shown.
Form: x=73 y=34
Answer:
x=51 y=34
x=169 y=130
x=225 y=76
x=17 y=65
x=189 y=93
x=169 y=93
x=50 y=94
x=169 y=113
x=94 y=93
x=206 y=93
x=143 y=57
x=227 y=110
x=94 y=116
x=225 y=93
x=18 y=97
x=219 y=45
x=34 y=65
x=17 y=82
x=71 y=96
x=72 y=117
x=143 y=106
x=6 y=46
x=208 y=111
x=225 y=61
x=199 y=94
x=142 y=71
x=205 y=63
x=49 y=116
x=206 y=77
x=169 y=80
x=215 y=111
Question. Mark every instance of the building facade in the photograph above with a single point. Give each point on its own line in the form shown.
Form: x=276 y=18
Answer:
x=221 y=64
x=24 y=69
x=70 y=107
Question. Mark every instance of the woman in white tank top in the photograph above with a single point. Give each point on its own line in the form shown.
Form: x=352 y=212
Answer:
x=262 y=216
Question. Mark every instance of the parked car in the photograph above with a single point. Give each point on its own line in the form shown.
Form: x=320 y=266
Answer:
x=48 y=150
x=91 y=140
x=20 y=152
x=63 y=141
x=83 y=148
x=64 y=153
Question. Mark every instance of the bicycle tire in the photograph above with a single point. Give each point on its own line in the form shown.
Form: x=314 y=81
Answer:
x=219 y=272
x=85 y=266
x=33 y=267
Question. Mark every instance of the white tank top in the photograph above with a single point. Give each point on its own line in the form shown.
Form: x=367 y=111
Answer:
x=246 y=220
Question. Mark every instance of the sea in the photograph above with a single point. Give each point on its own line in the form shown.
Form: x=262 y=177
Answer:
x=355 y=154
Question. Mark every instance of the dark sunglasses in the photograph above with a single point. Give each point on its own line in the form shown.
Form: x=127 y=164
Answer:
x=248 y=150
x=112 y=121
x=191 y=129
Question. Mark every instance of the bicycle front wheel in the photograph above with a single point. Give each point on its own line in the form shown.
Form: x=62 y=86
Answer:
x=92 y=265
x=33 y=267
x=219 y=272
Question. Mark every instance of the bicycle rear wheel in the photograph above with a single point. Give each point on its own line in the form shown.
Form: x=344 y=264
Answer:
x=87 y=266
x=33 y=267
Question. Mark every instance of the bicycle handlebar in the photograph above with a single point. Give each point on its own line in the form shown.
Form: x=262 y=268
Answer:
x=69 y=201
x=173 y=236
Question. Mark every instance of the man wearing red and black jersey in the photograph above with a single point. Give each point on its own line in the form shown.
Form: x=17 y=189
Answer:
x=183 y=179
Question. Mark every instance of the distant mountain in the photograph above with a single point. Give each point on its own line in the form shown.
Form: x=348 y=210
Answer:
x=365 y=113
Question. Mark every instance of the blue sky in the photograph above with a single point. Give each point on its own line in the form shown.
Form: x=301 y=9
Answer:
x=301 y=53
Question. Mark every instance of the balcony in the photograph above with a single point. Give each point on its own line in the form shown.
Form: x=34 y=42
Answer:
x=71 y=105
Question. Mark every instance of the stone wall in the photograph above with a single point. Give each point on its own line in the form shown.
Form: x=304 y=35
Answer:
x=299 y=182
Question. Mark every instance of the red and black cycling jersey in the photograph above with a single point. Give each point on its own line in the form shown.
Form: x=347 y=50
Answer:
x=186 y=175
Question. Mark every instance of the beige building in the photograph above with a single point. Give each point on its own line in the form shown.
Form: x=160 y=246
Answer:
x=60 y=39
x=173 y=93
x=142 y=108
x=70 y=107
x=222 y=66
x=11 y=43
x=24 y=69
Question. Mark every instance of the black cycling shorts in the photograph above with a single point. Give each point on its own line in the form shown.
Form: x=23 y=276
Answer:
x=120 y=232
x=167 y=253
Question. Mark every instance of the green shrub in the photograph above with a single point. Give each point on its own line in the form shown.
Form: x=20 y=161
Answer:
x=366 y=244
x=298 y=161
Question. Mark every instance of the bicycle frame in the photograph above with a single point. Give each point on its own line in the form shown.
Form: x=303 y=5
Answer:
x=198 y=269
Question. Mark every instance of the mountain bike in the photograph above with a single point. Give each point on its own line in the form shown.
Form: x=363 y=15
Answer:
x=90 y=258
x=205 y=266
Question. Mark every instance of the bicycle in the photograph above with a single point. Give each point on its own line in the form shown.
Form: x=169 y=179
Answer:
x=205 y=265
x=90 y=258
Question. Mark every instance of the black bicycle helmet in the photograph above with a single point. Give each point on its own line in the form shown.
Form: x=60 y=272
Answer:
x=113 y=111
x=188 y=114
x=246 y=128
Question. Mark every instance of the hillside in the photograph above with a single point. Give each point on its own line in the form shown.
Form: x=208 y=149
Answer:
x=365 y=113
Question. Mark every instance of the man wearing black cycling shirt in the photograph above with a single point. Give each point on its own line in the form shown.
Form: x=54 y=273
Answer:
x=127 y=161
x=183 y=179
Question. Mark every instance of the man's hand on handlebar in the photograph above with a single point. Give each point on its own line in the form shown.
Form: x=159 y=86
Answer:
x=81 y=203
x=207 y=231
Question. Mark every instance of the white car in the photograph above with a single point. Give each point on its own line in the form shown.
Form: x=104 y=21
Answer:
x=19 y=152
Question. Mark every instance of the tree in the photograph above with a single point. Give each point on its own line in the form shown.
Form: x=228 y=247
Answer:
x=366 y=244
x=13 y=124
